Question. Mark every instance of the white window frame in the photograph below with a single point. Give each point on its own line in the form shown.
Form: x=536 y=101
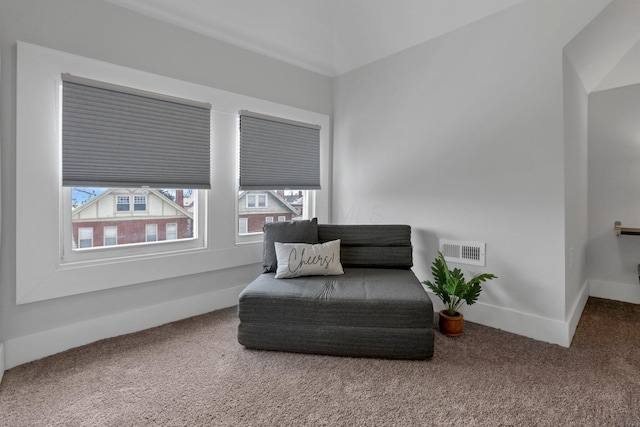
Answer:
x=85 y=230
x=282 y=218
x=38 y=160
x=105 y=237
x=243 y=225
x=143 y=197
x=153 y=233
x=120 y=202
x=256 y=199
x=69 y=256
x=173 y=233
x=268 y=219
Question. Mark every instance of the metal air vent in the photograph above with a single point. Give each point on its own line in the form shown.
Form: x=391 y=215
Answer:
x=463 y=252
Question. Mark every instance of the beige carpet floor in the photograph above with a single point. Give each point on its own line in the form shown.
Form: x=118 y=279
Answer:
x=194 y=373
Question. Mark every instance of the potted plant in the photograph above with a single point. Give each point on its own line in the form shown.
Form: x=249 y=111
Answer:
x=451 y=287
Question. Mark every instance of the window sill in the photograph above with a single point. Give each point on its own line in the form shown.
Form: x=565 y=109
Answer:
x=81 y=277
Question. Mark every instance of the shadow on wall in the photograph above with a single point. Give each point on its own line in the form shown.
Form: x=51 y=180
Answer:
x=425 y=249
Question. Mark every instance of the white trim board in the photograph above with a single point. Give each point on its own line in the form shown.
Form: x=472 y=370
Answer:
x=46 y=343
x=529 y=325
x=616 y=291
x=1 y=361
x=577 y=308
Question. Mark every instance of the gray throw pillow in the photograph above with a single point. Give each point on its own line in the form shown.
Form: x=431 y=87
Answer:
x=305 y=231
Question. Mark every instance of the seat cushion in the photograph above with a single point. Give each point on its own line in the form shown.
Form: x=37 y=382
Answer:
x=362 y=297
x=371 y=246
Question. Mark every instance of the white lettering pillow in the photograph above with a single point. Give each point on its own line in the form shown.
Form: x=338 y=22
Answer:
x=303 y=259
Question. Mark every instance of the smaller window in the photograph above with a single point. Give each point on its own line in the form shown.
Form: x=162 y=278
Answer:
x=122 y=203
x=256 y=200
x=85 y=237
x=282 y=218
x=151 y=232
x=172 y=231
x=111 y=235
x=139 y=203
x=243 y=226
x=268 y=219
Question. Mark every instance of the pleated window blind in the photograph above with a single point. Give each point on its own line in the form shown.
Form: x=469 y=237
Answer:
x=113 y=136
x=278 y=154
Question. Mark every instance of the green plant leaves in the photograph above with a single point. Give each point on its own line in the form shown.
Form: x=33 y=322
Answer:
x=451 y=287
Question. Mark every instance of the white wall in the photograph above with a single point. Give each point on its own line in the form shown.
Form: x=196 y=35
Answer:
x=462 y=137
x=576 y=192
x=614 y=192
x=102 y=31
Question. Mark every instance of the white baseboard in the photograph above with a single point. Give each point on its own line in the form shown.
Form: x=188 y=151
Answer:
x=36 y=346
x=529 y=325
x=616 y=291
x=1 y=361
x=573 y=317
x=521 y=323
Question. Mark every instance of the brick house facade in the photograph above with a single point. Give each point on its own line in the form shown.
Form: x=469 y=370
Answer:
x=125 y=216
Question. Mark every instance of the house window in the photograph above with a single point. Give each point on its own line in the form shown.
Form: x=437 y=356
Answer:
x=111 y=235
x=85 y=237
x=172 y=231
x=282 y=204
x=151 y=232
x=122 y=203
x=139 y=203
x=255 y=201
x=243 y=226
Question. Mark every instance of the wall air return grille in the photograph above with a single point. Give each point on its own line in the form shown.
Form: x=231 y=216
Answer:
x=463 y=252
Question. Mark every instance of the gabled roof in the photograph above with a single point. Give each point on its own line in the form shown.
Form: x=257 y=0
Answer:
x=280 y=200
x=108 y=192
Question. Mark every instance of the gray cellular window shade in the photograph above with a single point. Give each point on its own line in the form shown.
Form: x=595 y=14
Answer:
x=113 y=136
x=278 y=154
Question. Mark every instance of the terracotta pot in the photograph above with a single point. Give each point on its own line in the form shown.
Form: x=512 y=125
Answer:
x=451 y=326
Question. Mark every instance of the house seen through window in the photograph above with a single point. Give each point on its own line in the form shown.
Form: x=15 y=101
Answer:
x=125 y=216
x=100 y=121
x=257 y=207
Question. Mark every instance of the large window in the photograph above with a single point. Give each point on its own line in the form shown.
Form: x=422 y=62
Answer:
x=126 y=139
x=66 y=269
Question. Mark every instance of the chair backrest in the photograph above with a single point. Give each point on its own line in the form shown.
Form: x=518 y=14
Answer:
x=375 y=246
